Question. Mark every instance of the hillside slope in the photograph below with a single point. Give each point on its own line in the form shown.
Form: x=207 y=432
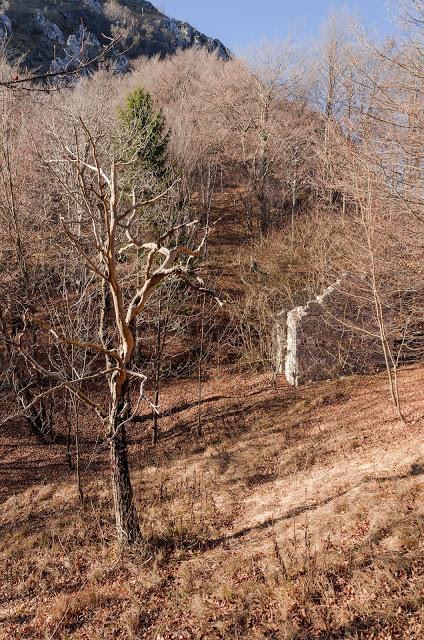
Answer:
x=58 y=31
x=299 y=514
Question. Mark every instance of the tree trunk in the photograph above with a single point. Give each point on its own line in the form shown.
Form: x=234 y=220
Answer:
x=158 y=364
x=127 y=525
x=155 y=434
x=200 y=371
x=39 y=416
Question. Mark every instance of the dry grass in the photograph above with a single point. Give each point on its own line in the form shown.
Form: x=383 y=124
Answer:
x=299 y=515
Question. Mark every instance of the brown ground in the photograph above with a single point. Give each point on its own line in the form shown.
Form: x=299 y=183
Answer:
x=298 y=514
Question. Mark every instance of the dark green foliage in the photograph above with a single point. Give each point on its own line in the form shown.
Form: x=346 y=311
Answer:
x=146 y=131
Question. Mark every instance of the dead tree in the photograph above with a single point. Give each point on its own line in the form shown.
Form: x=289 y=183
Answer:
x=109 y=219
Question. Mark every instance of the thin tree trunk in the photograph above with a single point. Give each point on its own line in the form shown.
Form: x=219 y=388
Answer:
x=76 y=406
x=138 y=340
x=390 y=362
x=77 y=465
x=200 y=371
x=68 y=431
x=157 y=371
x=39 y=421
x=163 y=324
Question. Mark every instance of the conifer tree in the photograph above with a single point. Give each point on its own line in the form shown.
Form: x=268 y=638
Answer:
x=147 y=131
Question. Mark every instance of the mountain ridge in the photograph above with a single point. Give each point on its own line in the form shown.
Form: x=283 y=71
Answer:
x=58 y=34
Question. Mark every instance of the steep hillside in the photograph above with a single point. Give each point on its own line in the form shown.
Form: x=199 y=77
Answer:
x=298 y=515
x=59 y=31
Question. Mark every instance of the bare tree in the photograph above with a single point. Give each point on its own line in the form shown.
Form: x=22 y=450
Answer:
x=109 y=217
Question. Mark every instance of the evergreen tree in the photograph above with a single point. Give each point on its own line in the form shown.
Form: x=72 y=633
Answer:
x=147 y=131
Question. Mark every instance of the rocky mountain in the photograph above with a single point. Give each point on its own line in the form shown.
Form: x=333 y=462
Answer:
x=59 y=33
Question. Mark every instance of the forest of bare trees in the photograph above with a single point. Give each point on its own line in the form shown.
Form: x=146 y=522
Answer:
x=116 y=273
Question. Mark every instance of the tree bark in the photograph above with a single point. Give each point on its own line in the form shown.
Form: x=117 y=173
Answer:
x=126 y=517
x=127 y=525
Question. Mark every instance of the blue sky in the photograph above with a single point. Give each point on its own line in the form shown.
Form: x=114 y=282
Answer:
x=240 y=22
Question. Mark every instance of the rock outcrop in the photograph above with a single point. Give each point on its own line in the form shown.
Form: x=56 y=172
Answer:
x=49 y=28
x=79 y=44
x=59 y=33
x=5 y=28
x=186 y=36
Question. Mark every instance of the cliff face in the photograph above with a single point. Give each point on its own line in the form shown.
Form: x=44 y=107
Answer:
x=54 y=34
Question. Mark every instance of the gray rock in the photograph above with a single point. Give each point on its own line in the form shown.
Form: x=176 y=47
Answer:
x=121 y=64
x=152 y=33
x=187 y=36
x=5 y=27
x=49 y=28
x=80 y=41
x=79 y=47
x=145 y=4
x=223 y=52
x=94 y=5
